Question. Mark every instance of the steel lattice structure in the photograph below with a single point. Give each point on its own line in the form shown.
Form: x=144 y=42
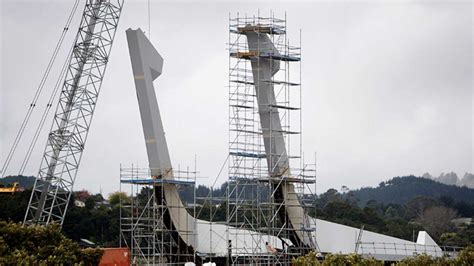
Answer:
x=264 y=194
x=143 y=226
x=88 y=61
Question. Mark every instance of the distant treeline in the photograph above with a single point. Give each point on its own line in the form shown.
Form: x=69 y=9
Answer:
x=399 y=207
x=400 y=190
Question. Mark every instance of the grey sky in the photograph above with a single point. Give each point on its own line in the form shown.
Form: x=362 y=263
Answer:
x=388 y=87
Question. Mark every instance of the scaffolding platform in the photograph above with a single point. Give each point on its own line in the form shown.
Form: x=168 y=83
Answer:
x=273 y=56
x=160 y=181
x=143 y=227
x=247 y=154
x=243 y=82
x=270 y=29
x=280 y=82
x=251 y=180
x=287 y=180
x=283 y=107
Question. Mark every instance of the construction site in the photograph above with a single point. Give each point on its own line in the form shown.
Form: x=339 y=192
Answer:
x=269 y=203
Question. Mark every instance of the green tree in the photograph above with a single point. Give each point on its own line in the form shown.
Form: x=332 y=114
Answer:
x=314 y=259
x=45 y=245
x=13 y=206
x=453 y=239
x=116 y=197
x=466 y=256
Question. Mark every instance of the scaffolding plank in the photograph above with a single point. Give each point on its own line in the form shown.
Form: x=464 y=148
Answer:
x=246 y=131
x=247 y=154
x=155 y=181
x=242 y=82
x=286 y=179
x=276 y=30
x=255 y=54
x=288 y=132
x=244 y=55
x=284 y=107
x=241 y=106
x=279 y=82
x=285 y=58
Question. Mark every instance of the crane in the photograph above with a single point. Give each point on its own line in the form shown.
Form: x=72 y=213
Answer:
x=71 y=123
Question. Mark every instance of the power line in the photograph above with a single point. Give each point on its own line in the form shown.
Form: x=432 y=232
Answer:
x=149 y=20
x=39 y=89
x=45 y=114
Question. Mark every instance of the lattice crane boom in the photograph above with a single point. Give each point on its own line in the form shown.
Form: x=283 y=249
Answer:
x=66 y=140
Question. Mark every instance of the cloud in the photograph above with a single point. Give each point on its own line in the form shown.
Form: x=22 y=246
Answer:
x=387 y=86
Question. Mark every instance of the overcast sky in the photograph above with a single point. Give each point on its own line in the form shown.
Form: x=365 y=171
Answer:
x=388 y=86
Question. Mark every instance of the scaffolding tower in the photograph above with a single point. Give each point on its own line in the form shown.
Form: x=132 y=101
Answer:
x=253 y=186
x=143 y=227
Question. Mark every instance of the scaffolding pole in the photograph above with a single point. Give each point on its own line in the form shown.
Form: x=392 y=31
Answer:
x=253 y=182
x=143 y=228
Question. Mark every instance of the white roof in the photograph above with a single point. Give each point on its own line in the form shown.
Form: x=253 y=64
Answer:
x=331 y=238
x=212 y=239
x=337 y=238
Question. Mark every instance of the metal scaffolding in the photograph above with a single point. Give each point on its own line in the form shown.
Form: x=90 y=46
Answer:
x=267 y=202
x=254 y=182
x=143 y=226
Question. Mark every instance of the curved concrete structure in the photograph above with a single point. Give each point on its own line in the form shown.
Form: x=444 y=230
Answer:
x=263 y=69
x=192 y=235
x=147 y=65
x=338 y=238
x=329 y=237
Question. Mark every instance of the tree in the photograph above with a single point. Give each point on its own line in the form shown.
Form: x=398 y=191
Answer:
x=329 y=196
x=82 y=195
x=41 y=245
x=417 y=206
x=116 y=197
x=437 y=220
x=90 y=203
x=13 y=206
x=465 y=257
x=453 y=239
x=315 y=259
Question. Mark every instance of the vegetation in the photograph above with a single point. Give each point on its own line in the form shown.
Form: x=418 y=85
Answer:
x=98 y=221
x=39 y=245
x=465 y=258
x=314 y=259
x=26 y=182
x=399 y=220
x=404 y=220
x=400 y=190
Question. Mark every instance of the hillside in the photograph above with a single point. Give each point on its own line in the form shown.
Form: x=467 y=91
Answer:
x=100 y=223
x=25 y=182
x=400 y=190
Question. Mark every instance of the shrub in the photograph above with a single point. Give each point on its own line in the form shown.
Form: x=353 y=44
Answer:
x=311 y=259
x=422 y=259
x=464 y=258
x=46 y=245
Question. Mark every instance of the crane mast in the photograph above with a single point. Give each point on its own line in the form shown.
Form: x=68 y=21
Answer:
x=66 y=140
